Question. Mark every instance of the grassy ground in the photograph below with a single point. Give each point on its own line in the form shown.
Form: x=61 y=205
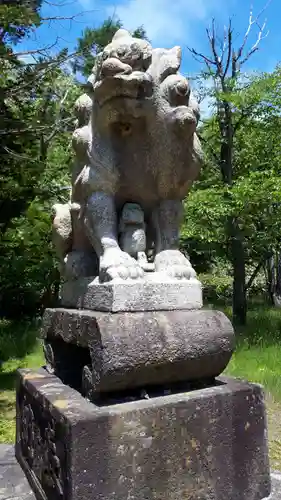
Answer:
x=258 y=352
x=257 y=358
x=19 y=348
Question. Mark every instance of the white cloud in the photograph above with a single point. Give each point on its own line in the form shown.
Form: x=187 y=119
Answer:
x=166 y=22
x=28 y=58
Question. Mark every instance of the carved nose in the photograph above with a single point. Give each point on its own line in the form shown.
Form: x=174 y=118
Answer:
x=114 y=66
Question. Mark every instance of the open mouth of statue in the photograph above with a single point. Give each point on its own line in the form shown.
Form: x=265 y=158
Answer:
x=132 y=88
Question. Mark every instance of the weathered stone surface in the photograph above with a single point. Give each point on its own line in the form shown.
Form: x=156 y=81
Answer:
x=135 y=143
x=130 y=350
x=149 y=294
x=12 y=479
x=201 y=445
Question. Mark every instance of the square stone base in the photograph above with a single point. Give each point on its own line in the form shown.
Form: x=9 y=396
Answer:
x=207 y=444
x=148 y=294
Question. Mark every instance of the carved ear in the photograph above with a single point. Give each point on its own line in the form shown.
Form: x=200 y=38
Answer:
x=175 y=54
x=165 y=63
x=95 y=73
x=193 y=104
x=121 y=33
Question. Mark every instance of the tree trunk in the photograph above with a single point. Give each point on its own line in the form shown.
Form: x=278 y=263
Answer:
x=270 y=271
x=274 y=279
x=239 y=298
x=278 y=274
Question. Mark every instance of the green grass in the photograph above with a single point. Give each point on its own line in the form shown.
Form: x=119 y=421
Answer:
x=261 y=364
x=257 y=359
x=19 y=348
x=258 y=351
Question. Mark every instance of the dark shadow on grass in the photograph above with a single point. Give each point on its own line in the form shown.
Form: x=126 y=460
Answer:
x=17 y=339
x=263 y=326
x=6 y=406
x=7 y=381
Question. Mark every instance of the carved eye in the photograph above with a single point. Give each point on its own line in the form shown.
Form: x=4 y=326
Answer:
x=136 y=51
x=121 y=51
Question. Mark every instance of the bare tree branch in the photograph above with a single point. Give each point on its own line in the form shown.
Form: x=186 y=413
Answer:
x=35 y=51
x=58 y=120
x=235 y=57
x=252 y=22
x=214 y=154
x=19 y=156
x=211 y=33
x=201 y=56
x=255 y=47
x=60 y=4
x=255 y=273
x=229 y=49
x=40 y=128
x=67 y=18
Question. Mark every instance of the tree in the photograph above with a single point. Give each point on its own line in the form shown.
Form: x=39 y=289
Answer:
x=35 y=168
x=17 y=18
x=93 y=41
x=223 y=67
x=36 y=121
x=32 y=116
x=254 y=198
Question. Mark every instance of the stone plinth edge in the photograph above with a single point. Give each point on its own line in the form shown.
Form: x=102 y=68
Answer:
x=150 y=294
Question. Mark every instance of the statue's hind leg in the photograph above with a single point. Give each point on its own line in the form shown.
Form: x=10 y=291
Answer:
x=169 y=260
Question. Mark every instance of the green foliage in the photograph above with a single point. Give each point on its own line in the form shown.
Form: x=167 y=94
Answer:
x=216 y=288
x=17 y=339
x=254 y=197
x=36 y=155
x=28 y=269
x=16 y=20
x=36 y=121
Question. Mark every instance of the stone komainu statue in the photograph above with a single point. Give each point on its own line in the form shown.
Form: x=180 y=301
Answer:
x=136 y=151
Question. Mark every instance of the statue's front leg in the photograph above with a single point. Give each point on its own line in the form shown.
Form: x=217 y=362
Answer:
x=100 y=220
x=168 y=259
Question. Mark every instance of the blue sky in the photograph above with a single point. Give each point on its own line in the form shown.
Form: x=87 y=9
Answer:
x=167 y=22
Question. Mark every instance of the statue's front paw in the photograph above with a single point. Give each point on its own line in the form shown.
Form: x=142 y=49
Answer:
x=174 y=264
x=182 y=118
x=116 y=264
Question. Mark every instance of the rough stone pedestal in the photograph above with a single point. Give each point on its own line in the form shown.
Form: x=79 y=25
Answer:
x=136 y=349
x=152 y=293
x=207 y=444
